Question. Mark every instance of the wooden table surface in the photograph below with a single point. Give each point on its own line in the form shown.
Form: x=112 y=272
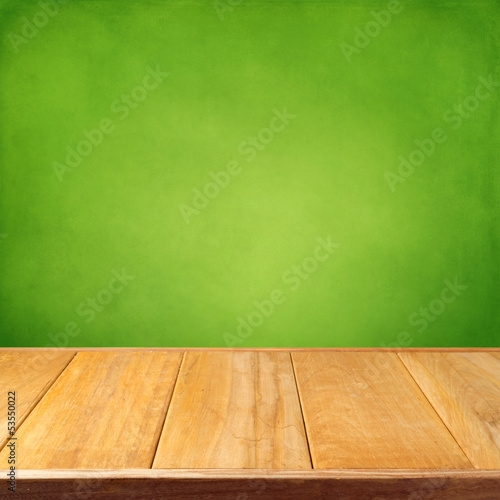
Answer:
x=253 y=423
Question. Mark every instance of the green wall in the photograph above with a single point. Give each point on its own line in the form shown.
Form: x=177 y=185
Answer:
x=352 y=179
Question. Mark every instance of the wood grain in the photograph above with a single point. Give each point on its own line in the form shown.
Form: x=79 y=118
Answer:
x=464 y=388
x=238 y=484
x=234 y=410
x=105 y=411
x=30 y=376
x=364 y=410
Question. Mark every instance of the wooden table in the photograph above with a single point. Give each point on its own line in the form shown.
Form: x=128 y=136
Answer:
x=252 y=423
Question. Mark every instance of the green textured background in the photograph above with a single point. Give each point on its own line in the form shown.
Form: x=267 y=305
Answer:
x=324 y=174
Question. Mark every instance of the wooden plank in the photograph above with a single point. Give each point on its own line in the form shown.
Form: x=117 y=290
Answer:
x=464 y=388
x=105 y=411
x=234 y=410
x=29 y=375
x=261 y=484
x=364 y=410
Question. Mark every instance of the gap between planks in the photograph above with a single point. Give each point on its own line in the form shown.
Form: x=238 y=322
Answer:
x=168 y=409
x=43 y=393
x=302 y=412
x=436 y=412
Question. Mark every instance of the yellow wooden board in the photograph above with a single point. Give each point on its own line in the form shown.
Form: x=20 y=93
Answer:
x=364 y=411
x=464 y=388
x=234 y=410
x=29 y=375
x=105 y=411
